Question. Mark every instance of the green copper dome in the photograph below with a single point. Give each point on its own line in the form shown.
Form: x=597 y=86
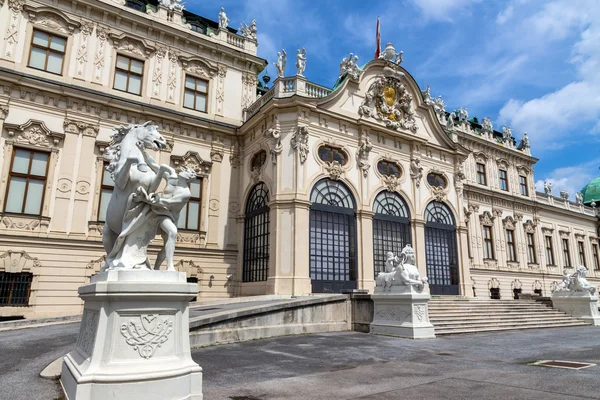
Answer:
x=591 y=191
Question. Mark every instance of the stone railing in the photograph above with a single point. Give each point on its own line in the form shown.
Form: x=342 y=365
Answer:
x=235 y=40
x=558 y=202
x=287 y=87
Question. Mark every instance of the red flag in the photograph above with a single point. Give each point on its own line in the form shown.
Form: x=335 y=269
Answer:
x=378 y=49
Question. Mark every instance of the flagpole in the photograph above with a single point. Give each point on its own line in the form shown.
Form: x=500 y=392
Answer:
x=378 y=39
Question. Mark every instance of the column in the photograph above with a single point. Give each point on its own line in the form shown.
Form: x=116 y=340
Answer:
x=419 y=240
x=464 y=264
x=213 y=228
x=365 y=250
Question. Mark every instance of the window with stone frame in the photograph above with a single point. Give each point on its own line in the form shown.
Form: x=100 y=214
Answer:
x=26 y=181
x=47 y=52
x=549 y=251
x=15 y=288
x=481 y=177
x=189 y=218
x=195 y=95
x=510 y=246
x=107 y=186
x=488 y=243
x=388 y=168
x=566 y=253
x=531 y=256
x=596 y=256
x=331 y=154
x=523 y=185
x=129 y=75
x=503 y=177
x=258 y=160
x=581 y=252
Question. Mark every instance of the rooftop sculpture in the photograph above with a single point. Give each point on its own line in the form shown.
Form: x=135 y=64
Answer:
x=281 y=62
x=301 y=61
x=249 y=31
x=223 y=20
x=349 y=66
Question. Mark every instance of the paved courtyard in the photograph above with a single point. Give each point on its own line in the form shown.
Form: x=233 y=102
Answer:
x=349 y=366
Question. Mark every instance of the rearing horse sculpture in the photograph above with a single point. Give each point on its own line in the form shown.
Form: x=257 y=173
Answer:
x=130 y=172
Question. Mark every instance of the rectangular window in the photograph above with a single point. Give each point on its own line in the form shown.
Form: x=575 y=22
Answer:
x=47 y=52
x=196 y=92
x=488 y=242
x=481 y=174
x=503 y=180
x=549 y=251
x=26 y=182
x=15 y=288
x=129 y=75
x=596 y=257
x=189 y=218
x=566 y=253
x=106 y=191
x=510 y=245
x=531 y=258
x=523 y=185
x=581 y=253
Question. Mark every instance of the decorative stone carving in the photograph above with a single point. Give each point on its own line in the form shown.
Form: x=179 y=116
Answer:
x=249 y=31
x=459 y=177
x=486 y=218
x=145 y=335
x=579 y=198
x=529 y=226
x=223 y=20
x=494 y=283
x=299 y=142
x=12 y=261
x=462 y=114
x=497 y=212
x=524 y=144
x=575 y=282
x=52 y=21
x=216 y=155
x=281 y=62
x=509 y=223
x=126 y=44
x=389 y=101
x=403 y=271
x=256 y=174
x=89 y=326
x=548 y=188
x=157 y=73
x=362 y=155
x=334 y=169
x=191 y=238
x=198 y=68
x=564 y=195
x=16 y=6
x=391 y=182
x=192 y=160
x=102 y=36
x=173 y=73
x=274 y=140
x=173 y=5
x=221 y=74
x=249 y=89
x=439 y=193
x=3 y=112
x=34 y=133
x=350 y=67
x=300 y=61
x=487 y=126
x=416 y=170
x=389 y=54
x=78 y=127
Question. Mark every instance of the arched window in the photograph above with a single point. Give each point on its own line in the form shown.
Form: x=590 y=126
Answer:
x=332 y=237
x=391 y=227
x=256 y=235
x=441 y=254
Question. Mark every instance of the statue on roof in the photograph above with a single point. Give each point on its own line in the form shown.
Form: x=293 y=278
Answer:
x=223 y=20
x=427 y=95
x=450 y=122
x=301 y=61
x=249 y=31
x=462 y=114
x=172 y=5
x=439 y=105
x=487 y=125
x=548 y=188
x=507 y=134
x=524 y=142
x=389 y=54
x=349 y=66
x=579 y=198
x=280 y=64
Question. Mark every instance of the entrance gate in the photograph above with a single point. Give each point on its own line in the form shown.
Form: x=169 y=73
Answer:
x=332 y=238
x=440 y=250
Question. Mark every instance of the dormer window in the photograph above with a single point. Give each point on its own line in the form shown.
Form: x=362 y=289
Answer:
x=139 y=5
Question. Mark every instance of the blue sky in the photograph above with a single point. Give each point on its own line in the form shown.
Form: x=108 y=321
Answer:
x=530 y=64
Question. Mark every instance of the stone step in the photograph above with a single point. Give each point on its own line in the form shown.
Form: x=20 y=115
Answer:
x=499 y=322
x=488 y=314
x=462 y=330
x=491 y=310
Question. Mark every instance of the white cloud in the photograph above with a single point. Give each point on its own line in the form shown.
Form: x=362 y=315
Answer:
x=572 y=178
x=443 y=10
x=505 y=15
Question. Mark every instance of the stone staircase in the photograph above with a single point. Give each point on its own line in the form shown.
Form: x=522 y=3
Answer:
x=454 y=315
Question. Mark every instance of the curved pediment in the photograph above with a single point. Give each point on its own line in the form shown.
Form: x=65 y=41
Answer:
x=386 y=94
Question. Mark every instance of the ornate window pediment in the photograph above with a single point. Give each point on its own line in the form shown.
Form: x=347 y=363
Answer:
x=548 y=231
x=529 y=226
x=198 y=67
x=34 y=133
x=480 y=157
x=51 y=19
x=502 y=163
x=564 y=234
x=192 y=160
x=523 y=170
x=487 y=218
x=18 y=261
x=509 y=222
x=131 y=46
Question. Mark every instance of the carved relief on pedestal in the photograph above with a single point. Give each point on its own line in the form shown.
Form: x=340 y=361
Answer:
x=148 y=333
x=391 y=313
x=87 y=335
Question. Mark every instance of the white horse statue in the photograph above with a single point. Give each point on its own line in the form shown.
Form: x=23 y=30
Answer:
x=133 y=177
x=401 y=271
x=576 y=282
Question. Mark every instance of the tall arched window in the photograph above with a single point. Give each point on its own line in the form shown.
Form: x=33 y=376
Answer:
x=332 y=237
x=391 y=227
x=256 y=235
x=441 y=253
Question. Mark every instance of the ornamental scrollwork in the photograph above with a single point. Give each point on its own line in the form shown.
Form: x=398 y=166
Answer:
x=148 y=334
x=334 y=169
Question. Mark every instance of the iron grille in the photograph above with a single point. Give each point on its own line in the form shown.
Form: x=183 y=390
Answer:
x=391 y=227
x=15 y=288
x=440 y=250
x=256 y=235
x=332 y=237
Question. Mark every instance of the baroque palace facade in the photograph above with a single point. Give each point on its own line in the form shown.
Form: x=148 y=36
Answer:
x=300 y=188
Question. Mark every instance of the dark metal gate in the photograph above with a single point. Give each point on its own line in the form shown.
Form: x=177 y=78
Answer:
x=332 y=238
x=391 y=227
x=440 y=250
x=256 y=235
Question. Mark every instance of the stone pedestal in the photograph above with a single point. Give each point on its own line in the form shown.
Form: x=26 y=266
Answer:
x=402 y=311
x=134 y=339
x=580 y=305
